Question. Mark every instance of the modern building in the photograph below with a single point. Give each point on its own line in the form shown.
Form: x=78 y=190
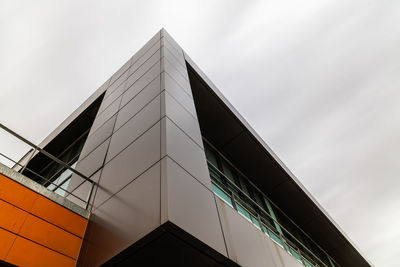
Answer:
x=157 y=168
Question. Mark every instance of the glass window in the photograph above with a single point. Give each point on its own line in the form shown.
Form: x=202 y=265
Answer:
x=222 y=194
x=243 y=211
x=211 y=155
x=62 y=177
x=255 y=221
x=229 y=171
x=247 y=215
x=62 y=189
x=233 y=189
x=255 y=207
x=214 y=174
x=243 y=185
x=273 y=236
x=55 y=172
x=258 y=198
x=294 y=253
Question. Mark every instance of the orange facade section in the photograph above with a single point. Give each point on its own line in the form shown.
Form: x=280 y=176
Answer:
x=35 y=231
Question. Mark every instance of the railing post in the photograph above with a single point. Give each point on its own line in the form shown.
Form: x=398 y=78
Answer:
x=26 y=164
x=260 y=222
x=330 y=260
x=283 y=242
x=233 y=201
x=301 y=258
x=90 y=196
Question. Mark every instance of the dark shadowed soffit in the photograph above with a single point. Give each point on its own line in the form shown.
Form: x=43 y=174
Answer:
x=228 y=134
x=169 y=245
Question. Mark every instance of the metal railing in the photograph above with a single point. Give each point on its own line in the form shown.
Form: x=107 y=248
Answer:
x=22 y=167
x=305 y=255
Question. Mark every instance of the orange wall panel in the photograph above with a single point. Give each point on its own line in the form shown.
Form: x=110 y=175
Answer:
x=6 y=241
x=36 y=231
x=51 y=236
x=60 y=216
x=29 y=254
x=16 y=194
x=41 y=206
x=11 y=218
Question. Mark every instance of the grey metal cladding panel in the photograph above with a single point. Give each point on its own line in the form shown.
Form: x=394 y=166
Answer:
x=111 y=98
x=125 y=218
x=177 y=63
x=146 y=47
x=192 y=207
x=146 y=56
x=76 y=181
x=143 y=69
x=177 y=52
x=173 y=67
x=120 y=71
x=115 y=88
x=107 y=102
x=81 y=194
x=171 y=40
x=137 y=103
x=106 y=114
x=186 y=153
x=97 y=137
x=144 y=81
x=183 y=119
x=104 y=86
x=94 y=160
x=179 y=94
x=163 y=136
x=129 y=164
x=247 y=245
x=133 y=68
x=176 y=76
x=135 y=126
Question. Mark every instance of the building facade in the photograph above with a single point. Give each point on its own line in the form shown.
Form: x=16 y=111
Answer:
x=167 y=173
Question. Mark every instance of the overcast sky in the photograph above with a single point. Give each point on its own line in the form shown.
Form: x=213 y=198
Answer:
x=318 y=80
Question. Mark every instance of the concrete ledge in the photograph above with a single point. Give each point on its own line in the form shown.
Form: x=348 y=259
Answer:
x=40 y=189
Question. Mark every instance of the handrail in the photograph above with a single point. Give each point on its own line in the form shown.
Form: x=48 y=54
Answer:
x=43 y=151
x=45 y=179
x=65 y=166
